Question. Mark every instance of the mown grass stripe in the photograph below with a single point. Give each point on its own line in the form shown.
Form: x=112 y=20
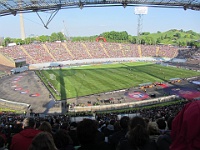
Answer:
x=102 y=78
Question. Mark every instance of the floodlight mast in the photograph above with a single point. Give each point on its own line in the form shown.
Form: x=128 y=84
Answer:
x=140 y=11
x=65 y=33
x=21 y=22
x=22 y=26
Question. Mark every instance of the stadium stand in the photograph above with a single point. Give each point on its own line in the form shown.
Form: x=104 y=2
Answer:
x=5 y=69
x=95 y=49
x=38 y=53
x=78 y=50
x=64 y=51
x=58 y=50
x=148 y=50
x=6 y=61
x=105 y=128
x=13 y=52
x=103 y=125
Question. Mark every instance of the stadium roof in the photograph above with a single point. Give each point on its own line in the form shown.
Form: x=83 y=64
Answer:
x=12 y=7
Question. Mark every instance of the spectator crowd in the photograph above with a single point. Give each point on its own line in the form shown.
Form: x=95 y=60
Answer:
x=174 y=127
x=64 y=51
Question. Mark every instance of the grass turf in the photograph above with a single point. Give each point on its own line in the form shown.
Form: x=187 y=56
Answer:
x=87 y=80
x=1 y=72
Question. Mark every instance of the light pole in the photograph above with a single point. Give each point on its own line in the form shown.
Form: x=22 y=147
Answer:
x=140 y=11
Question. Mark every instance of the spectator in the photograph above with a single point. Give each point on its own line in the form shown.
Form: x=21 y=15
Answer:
x=23 y=139
x=63 y=141
x=153 y=130
x=55 y=125
x=65 y=126
x=43 y=141
x=2 y=134
x=18 y=127
x=164 y=140
x=100 y=136
x=87 y=132
x=2 y=143
x=109 y=129
x=117 y=126
x=73 y=133
x=46 y=127
x=161 y=125
x=137 y=137
x=115 y=138
x=185 y=132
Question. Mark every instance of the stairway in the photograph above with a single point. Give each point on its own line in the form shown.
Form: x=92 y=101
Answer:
x=65 y=46
x=6 y=61
x=157 y=51
x=105 y=51
x=47 y=50
x=88 y=52
x=120 y=47
x=139 y=51
x=175 y=54
x=23 y=49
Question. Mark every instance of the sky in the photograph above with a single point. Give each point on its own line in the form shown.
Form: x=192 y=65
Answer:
x=94 y=21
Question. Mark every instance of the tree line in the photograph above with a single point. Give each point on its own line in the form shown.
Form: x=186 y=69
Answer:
x=172 y=37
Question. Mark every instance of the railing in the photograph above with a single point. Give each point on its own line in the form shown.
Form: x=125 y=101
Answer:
x=14 y=105
x=123 y=105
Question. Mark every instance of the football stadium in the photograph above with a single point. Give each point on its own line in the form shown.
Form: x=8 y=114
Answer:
x=70 y=83
x=97 y=76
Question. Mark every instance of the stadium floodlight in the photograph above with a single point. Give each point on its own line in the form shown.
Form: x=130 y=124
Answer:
x=141 y=10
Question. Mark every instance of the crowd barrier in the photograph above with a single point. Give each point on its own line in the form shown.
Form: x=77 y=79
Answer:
x=14 y=105
x=93 y=61
x=123 y=105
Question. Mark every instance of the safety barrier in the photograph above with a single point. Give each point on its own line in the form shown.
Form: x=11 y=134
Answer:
x=93 y=61
x=123 y=105
x=14 y=105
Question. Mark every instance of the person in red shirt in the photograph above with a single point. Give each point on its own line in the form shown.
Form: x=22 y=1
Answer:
x=186 y=128
x=23 y=139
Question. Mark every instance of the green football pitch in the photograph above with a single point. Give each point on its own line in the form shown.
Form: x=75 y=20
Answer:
x=86 y=80
x=1 y=72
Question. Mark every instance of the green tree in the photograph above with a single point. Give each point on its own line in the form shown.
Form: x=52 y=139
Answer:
x=145 y=33
x=132 y=39
x=143 y=41
x=187 y=36
x=19 y=41
x=7 y=41
x=194 y=44
x=178 y=35
x=44 y=38
x=183 y=43
x=158 y=41
x=54 y=37
x=192 y=36
x=149 y=40
x=61 y=36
